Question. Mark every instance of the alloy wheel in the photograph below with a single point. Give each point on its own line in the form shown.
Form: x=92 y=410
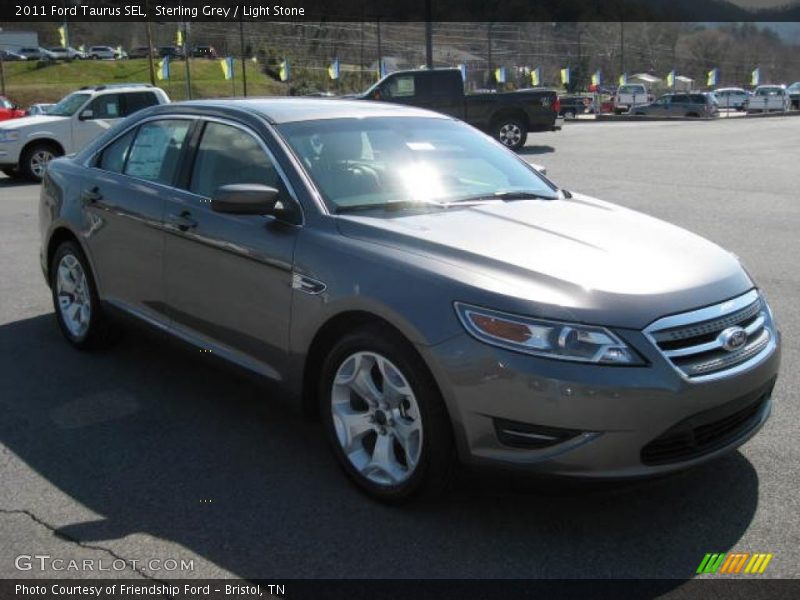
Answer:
x=74 y=299
x=39 y=160
x=377 y=418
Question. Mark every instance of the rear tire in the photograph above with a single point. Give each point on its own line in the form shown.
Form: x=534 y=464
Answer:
x=77 y=306
x=11 y=172
x=384 y=418
x=34 y=159
x=512 y=133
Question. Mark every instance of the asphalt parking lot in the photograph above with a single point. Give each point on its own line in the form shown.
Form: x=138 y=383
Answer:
x=153 y=452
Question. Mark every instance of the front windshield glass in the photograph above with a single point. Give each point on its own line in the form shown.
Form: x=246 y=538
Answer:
x=377 y=161
x=68 y=105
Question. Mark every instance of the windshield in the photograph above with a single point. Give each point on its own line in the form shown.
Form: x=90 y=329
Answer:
x=68 y=105
x=631 y=89
x=407 y=161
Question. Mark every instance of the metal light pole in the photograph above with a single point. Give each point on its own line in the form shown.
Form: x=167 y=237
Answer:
x=428 y=35
x=2 y=72
x=186 y=60
x=244 y=60
x=150 y=65
x=380 y=51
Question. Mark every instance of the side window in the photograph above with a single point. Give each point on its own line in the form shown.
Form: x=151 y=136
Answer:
x=156 y=150
x=137 y=101
x=114 y=155
x=228 y=155
x=401 y=86
x=106 y=107
x=698 y=99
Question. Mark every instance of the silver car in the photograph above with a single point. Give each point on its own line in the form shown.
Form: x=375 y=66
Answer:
x=426 y=293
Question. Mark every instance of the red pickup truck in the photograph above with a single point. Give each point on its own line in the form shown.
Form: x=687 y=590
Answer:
x=8 y=110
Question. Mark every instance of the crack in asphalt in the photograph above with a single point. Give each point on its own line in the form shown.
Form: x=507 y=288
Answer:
x=69 y=538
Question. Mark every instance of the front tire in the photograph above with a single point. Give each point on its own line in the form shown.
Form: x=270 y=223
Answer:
x=512 y=133
x=384 y=418
x=34 y=160
x=77 y=305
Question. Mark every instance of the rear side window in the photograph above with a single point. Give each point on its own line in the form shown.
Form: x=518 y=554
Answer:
x=106 y=107
x=680 y=98
x=156 y=150
x=115 y=154
x=228 y=155
x=137 y=101
x=698 y=99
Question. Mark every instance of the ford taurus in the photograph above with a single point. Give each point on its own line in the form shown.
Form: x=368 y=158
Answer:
x=425 y=292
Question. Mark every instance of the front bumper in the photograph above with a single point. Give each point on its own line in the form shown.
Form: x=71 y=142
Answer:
x=616 y=419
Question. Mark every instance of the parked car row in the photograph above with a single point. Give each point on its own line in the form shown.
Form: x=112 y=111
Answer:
x=636 y=99
x=104 y=53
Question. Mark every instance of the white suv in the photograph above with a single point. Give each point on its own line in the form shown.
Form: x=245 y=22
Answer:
x=29 y=143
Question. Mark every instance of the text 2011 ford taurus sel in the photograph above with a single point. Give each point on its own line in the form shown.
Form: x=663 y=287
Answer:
x=425 y=291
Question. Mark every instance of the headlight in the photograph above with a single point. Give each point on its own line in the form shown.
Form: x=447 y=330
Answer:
x=551 y=339
x=11 y=135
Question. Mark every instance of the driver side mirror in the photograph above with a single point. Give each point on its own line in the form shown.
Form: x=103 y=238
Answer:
x=253 y=199
x=86 y=115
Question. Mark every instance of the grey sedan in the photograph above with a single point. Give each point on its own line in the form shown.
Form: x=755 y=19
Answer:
x=695 y=104
x=422 y=290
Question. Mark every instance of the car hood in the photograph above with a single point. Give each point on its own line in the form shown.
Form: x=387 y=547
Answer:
x=34 y=121
x=577 y=258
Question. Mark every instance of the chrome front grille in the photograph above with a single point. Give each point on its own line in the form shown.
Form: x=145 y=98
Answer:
x=699 y=344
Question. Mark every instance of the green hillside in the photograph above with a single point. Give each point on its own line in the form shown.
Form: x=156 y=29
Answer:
x=27 y=83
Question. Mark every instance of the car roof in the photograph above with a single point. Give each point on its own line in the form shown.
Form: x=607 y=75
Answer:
x=292 y=109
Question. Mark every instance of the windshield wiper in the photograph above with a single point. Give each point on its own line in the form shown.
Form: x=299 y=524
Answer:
x=399 y=205
x=506 y=195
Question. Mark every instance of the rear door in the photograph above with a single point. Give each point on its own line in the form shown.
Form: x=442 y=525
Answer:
x=229 y=277
x=124 y=200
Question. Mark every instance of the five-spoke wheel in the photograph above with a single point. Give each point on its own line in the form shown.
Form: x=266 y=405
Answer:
x=385 y=419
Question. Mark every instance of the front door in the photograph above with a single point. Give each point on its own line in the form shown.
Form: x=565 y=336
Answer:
x=228 y=277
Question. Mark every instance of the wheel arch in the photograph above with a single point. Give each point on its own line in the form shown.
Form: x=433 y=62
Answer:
x=509 y=113
x=58 y=236
x=325 y=338
x=44 y=140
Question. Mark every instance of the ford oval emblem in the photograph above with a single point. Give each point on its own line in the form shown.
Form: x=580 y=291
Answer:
x=733 y=338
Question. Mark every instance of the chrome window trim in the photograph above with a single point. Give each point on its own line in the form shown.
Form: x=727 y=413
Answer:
x=299 y=168
x=270 y=155
x=91 y=160
x=709 y=313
